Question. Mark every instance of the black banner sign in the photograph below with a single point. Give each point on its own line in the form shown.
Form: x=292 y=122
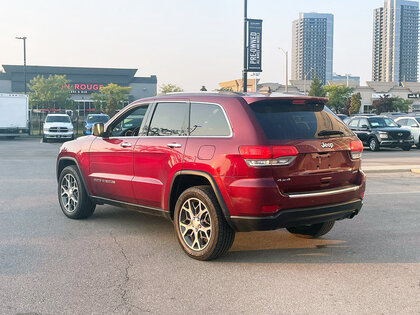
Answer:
x=416 y=95
x=254 y=45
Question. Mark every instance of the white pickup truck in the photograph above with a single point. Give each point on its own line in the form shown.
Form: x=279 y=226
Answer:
x=14 y=115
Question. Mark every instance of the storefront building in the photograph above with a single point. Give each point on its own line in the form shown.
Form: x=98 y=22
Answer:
x=83 y=81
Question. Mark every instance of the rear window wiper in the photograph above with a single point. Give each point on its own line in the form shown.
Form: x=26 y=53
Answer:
x=330 y=132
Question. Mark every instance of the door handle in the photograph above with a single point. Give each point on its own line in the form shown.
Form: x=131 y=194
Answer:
x=126 y=144
x=174 y=145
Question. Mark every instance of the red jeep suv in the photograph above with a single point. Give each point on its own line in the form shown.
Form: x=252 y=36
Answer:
x=217 y=163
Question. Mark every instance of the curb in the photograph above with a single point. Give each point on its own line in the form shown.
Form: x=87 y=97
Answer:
x=395 y=170
x=412 y=169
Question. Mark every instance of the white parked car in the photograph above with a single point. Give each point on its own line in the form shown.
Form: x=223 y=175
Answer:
x=58 y=126
x=412 y=124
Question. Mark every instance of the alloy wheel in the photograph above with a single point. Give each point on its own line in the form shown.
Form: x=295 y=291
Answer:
x=195 y=224
x=69 y=193
x=372 y=145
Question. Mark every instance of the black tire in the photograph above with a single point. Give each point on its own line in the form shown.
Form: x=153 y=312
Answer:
x=85 y=206
x=406 y=148
x=373 y=144
x=44 y=139
x=221 y=234
x=312 y=231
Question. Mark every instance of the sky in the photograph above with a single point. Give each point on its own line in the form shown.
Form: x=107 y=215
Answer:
x=189 y=43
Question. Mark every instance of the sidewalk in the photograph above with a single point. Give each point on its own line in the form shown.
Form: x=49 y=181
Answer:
x=391 y=164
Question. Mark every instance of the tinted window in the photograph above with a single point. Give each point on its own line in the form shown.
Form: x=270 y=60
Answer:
x=65 y=119
x=284 y=120
x=129 y=124
x=354 y=122
x=418 y=119
x=208 y=120
x=169 y=119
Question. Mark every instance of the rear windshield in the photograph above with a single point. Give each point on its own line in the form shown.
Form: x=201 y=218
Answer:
x=58 y=119
x=282 y=120
x=99 y=119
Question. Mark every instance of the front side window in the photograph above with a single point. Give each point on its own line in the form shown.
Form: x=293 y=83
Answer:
x=363 y=123
x=354 y=123
x=379 y=122
x=169 y=119
x=129 y=124
x=208 y=120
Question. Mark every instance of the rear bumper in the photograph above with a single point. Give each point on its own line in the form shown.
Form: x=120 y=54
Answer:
x=297 y=217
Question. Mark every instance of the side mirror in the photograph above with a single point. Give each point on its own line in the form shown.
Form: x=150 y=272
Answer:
x=366 y=127
x=98 y=129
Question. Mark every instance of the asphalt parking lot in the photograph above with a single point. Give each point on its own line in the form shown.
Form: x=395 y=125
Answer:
x=124 y=262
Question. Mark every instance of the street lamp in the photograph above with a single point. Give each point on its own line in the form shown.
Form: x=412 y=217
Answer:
x=24 y=58
x=287 y=69
x=304 y=80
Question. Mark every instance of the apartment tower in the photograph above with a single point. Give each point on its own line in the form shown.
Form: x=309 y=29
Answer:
x=395 y=41
x=312 y=46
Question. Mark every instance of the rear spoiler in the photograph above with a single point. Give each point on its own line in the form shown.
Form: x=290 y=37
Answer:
x=312 y=104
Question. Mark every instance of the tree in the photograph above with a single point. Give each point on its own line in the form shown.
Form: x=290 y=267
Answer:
x=383 y=104
x=355 y=103
x=338 y=96
x=400 y=105
x=110 y=99
x=317 y=89
x=50 y=92
x=168 y=88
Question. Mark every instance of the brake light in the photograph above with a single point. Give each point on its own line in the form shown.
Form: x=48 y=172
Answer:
x=268 y=155
x=356 y=149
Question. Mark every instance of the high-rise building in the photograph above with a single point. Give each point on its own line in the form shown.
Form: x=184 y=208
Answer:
x=312 y=46
x=395 y=41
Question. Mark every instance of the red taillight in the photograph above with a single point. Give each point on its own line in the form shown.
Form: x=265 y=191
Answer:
x=255 y=152
x=356 y=145
x=356 y=149
x=256 y=155
x=284 y=151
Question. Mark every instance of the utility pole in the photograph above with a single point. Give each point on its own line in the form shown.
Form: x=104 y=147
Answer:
x=24 y=59
x=244 y=73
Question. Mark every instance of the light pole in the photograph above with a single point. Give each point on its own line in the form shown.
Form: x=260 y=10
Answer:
x=286 y=89
x=24 y=59
x=304 y=80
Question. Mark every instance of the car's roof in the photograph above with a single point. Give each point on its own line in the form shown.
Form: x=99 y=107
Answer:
x=369 y=116
x=248 y=97
x=58 y=115
x=97 y=115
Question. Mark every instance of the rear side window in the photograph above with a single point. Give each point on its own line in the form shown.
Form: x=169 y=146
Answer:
x=282 y=120
x=208 y=120
x=169 y=119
